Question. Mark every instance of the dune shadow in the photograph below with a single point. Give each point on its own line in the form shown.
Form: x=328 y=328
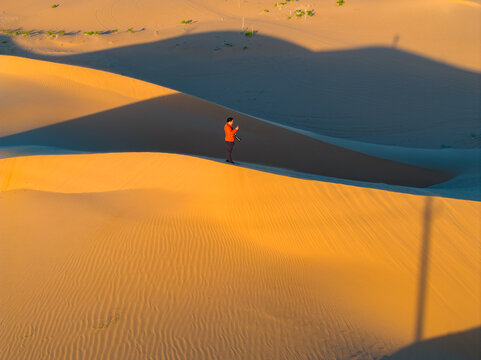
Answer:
x=377 y=94
x=183 y=124
x=465 y=345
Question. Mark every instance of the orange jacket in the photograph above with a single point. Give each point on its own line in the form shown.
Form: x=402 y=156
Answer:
x=229 y=133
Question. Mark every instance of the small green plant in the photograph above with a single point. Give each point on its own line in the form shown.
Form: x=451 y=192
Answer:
x=96 y=32
x=266 y=10
x=301 y=13
x=443 y=146
x=227 y=44
x=130 y=30
x=54 y=6
x=4 y=41
x=115 y=30
x=340 y=2
x=245 y=48
x=277 y=4
x=51 y=34
x=62 y=33
x=249 y=33
x=26 y=33
x=186 y=22
x=12 y=32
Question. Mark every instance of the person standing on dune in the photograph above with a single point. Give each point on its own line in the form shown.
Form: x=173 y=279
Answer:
x=229 y=137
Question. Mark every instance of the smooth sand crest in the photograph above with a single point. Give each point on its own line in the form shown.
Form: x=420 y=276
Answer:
x=168 y=256
x=39 y=93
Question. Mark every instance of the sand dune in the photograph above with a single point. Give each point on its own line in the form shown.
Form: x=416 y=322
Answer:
x=179 y=123
x=168 y=256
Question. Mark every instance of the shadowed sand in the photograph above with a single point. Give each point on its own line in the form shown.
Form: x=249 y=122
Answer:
x=462 y=345
x=168 y=256
x=375 y=95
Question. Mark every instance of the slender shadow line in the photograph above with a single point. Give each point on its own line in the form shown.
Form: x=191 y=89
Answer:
x=423 y=273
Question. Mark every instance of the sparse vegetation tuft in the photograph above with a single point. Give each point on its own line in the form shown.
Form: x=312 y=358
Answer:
x=54 y=6
x=186 y=22
x=301 y=13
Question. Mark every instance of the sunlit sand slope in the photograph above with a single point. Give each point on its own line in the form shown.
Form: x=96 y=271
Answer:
x=40 y=93
x=167 y=256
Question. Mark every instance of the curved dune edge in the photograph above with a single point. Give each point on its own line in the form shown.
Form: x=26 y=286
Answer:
x=40 y=93
x=468 y=2
x=51 y=71
x=165 y=255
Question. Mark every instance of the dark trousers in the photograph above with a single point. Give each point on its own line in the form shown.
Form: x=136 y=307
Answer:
x=230 y=147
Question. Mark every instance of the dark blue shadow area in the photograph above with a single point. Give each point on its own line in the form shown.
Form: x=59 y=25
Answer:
x=183 y=124
x=464 y=345
x=379 y=94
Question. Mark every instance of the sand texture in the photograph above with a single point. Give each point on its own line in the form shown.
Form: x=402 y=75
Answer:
x=350 y=227
x=142 y=256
